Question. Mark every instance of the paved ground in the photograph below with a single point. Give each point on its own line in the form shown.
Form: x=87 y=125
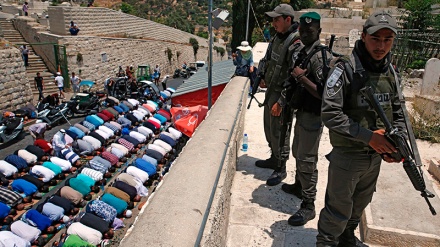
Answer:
x=259 y=213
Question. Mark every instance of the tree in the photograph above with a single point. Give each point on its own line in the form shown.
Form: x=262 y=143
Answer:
x=418 y=14
x=127 y=8
x=195 y=45
x=239 y=15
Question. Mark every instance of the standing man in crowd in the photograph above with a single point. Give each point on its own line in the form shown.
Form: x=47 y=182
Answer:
x=356 y=131
x=309 y=80
x=25 y=9
x=39 y=84
x=25 y=54
x=59 y=143
x=59 y=81
x=75 y=83
x=274 y=74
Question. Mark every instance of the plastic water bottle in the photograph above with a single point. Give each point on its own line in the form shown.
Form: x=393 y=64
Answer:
x=244 y=147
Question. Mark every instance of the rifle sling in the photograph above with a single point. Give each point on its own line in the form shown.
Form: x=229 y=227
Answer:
x=409 y=129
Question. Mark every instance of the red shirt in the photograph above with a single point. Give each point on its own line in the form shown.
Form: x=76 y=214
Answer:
x=43 y=144
x=108 y=114
x=113 y=159
x=126 y=144
x=103 y=117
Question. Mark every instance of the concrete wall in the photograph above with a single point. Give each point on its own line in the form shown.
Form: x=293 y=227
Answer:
x=184 y=193
x=14 y=85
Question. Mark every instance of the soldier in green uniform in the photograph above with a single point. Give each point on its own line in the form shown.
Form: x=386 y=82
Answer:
x=356 y=132
x=309 y=85
x=274 y=74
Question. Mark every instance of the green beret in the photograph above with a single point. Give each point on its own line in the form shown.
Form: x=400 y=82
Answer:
x=310 y=17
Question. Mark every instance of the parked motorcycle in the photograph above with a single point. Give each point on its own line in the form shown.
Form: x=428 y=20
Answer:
x=87 y=102
x=53 y=115
x=10 y=128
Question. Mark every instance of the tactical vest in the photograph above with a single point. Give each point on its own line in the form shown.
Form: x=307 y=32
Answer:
x=277 y=50
x=358 y=110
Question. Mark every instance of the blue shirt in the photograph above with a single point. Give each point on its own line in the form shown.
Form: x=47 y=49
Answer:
x=100 y=164
x=16 y=161
x=52 y=211
x=161 y=118
x=115 y=202
x=167 y=139
x=118 y=109
x=34 y=218
x=102 y=209
x=56 y=169
x=86 y=179
x=79 y=133
x=23 y=186
x=95 y=120
x=88 y=125
x=124 y=107
x=124 y=122
x=72 y=134
x=111 y=126
x=145 y=166
x=150 y=159
x=4 y=210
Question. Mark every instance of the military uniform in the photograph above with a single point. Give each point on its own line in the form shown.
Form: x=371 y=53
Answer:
x=354 y=165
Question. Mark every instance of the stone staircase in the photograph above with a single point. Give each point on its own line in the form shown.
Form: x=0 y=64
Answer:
x=36 y=64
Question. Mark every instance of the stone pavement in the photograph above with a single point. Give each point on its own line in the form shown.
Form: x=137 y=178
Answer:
x=259 y=213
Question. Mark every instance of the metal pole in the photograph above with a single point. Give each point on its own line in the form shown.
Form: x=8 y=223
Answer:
x=247 y=19
x=210 y=54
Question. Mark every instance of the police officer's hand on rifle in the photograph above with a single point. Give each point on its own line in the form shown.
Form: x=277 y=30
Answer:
x=380 y=143
x=276 y=109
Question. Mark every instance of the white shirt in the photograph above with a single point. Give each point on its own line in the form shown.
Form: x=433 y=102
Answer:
x=169 y=135
x=133 y=102
x=157 y=148
x=120 y=147
x=175 y=132
x=7 y=169
x=139 y=116
x=25 y=231
x=43 y=172
x=140 y=112
x=29 y=157
x=163 y=144
x=145 y=131
x=116 y=152
x=106 y=130
x=95 y=175
x=75 y=80
x=59 y=80
x=86 y=233
x=102 y=133
x=138 y=136
x=144 y=111
x=95 y=143
x=8 y=238
x=137 y=173
x=155 y=120
x=63 y=164
x=59 y=141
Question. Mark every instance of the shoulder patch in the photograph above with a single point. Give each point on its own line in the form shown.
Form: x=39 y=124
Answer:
x=334 y=77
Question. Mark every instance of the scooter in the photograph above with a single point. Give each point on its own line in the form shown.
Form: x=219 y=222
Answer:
x=53 y=115
x=84 y=104
x=10 y=129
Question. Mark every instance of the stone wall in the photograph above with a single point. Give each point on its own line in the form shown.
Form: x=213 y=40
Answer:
x=107 y=22
x=119 y=52
x=14 y=85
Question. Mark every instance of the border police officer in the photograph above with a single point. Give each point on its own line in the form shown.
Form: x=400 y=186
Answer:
x=356 y=132
x=308 y=74
x=275 y=72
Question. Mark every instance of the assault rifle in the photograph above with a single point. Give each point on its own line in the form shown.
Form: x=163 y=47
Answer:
x=404 y=151
x=260 y=71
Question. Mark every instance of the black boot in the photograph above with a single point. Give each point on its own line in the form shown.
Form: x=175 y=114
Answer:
x=303 y=215
x=278 y=175
x=270 y=163
x=293 y=189
x=348 y=239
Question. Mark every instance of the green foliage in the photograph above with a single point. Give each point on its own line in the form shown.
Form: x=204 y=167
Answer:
x=417 y=64
x=127 y=8
x=195 y=45
x=222 y=51
x=426 y=127
x=418 y=14
x=203 y=34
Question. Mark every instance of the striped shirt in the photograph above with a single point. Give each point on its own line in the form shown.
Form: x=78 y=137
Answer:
x=99 y=164
x=71 y=156
x=9 y=197
x=110 y=127
x=65 y=165
x=128 y=145
x=116 y=124
x=95 y=175
x=113 y=159
x=124 y=121
x=88 y=125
